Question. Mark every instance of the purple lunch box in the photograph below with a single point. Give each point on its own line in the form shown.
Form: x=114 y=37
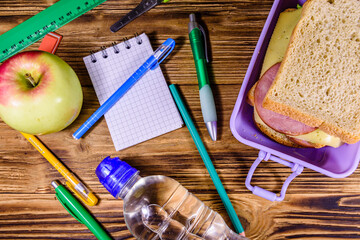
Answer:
x=333 y=162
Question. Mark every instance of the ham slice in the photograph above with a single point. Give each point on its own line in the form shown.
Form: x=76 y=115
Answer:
x=304 y=143
x=278 y=122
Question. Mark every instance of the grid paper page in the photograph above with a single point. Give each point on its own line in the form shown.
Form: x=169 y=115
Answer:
x=147 y=110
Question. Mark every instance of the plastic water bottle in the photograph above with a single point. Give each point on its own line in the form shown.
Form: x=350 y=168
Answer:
x=158 y=207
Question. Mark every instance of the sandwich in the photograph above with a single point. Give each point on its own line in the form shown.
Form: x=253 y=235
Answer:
x=308 y=93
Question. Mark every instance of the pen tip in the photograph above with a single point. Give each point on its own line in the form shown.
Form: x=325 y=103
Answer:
x=192 y=17
x=212 y=129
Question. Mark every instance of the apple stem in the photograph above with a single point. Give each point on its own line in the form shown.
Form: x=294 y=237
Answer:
x=30 y=79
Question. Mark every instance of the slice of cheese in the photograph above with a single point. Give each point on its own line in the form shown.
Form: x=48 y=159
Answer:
x=280 y=38
x=320 y=137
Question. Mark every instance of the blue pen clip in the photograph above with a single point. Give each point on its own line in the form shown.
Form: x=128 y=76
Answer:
x=163 y=51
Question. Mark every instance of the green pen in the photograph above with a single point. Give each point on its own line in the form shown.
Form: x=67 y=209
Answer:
x=78 y=211
x=199 y=50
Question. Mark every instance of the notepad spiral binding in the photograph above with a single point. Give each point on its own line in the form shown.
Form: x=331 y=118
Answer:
x=116 y=49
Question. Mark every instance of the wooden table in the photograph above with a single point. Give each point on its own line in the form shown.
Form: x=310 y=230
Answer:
x=315 y=206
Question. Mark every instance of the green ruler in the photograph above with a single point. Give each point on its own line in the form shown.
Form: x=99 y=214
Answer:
x=42 y=23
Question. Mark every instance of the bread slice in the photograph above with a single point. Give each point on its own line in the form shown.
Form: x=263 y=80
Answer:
x=250 y=97
x=318 y=82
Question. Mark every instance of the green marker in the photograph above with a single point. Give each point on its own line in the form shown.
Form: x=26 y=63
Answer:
x=79 y=212
x=199 y=49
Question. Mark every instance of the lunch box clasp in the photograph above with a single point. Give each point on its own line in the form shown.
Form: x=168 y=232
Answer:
x=295 y=168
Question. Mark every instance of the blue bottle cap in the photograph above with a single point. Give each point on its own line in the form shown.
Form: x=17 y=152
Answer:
x=114 y=174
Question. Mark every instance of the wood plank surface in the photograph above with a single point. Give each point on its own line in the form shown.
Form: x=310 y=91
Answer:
x=315 y=206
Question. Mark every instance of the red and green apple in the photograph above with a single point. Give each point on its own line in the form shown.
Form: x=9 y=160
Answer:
x=39 y=93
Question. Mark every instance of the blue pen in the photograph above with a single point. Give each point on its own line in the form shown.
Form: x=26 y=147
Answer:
x=150 y=64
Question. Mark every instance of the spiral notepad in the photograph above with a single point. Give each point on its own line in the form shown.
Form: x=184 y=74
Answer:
x=147 y=110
